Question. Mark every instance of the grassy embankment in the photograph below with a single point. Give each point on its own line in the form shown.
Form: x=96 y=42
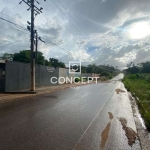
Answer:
x=139 y=86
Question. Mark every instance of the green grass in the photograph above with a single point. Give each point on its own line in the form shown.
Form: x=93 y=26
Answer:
x=139 y=86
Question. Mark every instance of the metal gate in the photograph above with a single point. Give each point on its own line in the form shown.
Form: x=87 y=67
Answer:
x=2 y=77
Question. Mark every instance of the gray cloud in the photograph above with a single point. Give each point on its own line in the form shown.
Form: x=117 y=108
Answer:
x=104 y=23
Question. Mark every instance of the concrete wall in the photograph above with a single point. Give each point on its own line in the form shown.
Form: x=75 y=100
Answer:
x=18 y=76
x=90 y=75
x=95 y=75
x=86 y=75
x=63 y=72
x=43 y=76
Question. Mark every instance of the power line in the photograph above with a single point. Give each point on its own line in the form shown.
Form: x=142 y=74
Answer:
x=77 y=56
x=13 y=8
x=13 y=42
x=59 y=20
x=62 y=48
x=73 y=18
x=13 y=23
x=68 y=19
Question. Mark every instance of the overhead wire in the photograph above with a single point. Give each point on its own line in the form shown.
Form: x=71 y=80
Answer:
x=67 y=18
x=78 y=56
x=62 y=48
x=13 y=23
x=17 y=26
x=73 y=19
x=12 y=8
x=13 y=42
x=58 y=19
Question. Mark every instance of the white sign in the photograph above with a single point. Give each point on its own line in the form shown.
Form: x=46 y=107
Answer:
x=50 y=69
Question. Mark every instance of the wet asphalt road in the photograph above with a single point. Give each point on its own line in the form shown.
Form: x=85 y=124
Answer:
x=55 y=121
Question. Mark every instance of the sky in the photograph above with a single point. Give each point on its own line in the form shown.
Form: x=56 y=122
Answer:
x=110 y=32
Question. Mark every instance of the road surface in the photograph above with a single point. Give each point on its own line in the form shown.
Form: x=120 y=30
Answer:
x=82 y=117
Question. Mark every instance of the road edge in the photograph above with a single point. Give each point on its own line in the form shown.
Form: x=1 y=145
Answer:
x=143 y=134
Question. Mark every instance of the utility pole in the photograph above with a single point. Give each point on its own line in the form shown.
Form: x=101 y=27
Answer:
x=34 y=9
x=36 y=45
x=36 y=49
x=32 y=48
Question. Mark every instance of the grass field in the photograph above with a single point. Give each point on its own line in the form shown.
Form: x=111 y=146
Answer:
x=139 y=86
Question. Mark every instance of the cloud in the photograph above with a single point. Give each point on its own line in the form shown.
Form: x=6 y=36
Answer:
x=103 y=1
x=101 y=33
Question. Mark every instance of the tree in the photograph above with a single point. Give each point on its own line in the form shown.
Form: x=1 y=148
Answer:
x=83 y=69
x=7 y=56
x=145 y=67
x=130 y=65
x=55 y=63
x=24 y=56
x=62 y=65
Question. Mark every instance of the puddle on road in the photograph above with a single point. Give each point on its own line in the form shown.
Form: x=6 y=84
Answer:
x=104 y=135
x=119 y=91
x=129 y=132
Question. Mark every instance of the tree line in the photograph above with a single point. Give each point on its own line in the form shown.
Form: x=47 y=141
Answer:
x=24 y=56
x=143 y=67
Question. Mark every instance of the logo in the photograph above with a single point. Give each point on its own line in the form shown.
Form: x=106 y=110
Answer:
x=74 y=75
x=74 y=67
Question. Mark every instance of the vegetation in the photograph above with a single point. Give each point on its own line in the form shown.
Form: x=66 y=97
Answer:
x=24 y=56
x=137 y=81
x=103 y=70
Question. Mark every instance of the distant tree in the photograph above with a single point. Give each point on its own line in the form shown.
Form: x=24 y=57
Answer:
x=62 y=65
x=133 y=70
x=47 y=63
x=24 y=56
x=130 y=65
x=105 y=73
x=104 y=70
x=91 y=68
x=6 y=56
x=40 y=59
x=55 y=63
x=145 y=67
x=83 y=69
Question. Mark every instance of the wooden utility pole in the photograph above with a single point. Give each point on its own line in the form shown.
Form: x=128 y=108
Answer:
x=32 y=48
x=36 y=49
x=34 y=9
x=37 y=38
